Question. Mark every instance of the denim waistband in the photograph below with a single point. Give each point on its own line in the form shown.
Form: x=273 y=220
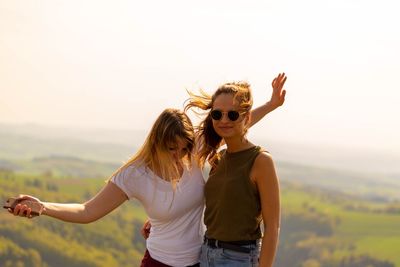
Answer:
x=232 y=245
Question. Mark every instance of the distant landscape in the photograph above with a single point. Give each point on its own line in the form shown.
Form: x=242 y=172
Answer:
x=330 y=216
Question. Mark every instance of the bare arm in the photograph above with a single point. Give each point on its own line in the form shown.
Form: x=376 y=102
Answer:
x=277 y=99
x=268 y=186
x=109 y=198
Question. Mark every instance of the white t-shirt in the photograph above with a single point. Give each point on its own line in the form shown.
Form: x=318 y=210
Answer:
x=176 y=217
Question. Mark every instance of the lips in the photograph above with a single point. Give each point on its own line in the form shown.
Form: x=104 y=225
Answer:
x=225 y=128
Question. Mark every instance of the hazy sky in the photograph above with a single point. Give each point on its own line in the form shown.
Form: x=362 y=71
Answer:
x=120 y=63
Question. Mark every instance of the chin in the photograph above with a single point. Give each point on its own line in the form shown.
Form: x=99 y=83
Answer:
x=225 y=135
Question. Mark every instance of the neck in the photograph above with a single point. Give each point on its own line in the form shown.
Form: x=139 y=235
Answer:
x=237 y=144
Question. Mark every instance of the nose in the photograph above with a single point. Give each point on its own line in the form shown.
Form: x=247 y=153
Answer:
x=225 y=118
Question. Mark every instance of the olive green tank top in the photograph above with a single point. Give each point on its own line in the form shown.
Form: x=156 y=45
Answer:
x=233 y=208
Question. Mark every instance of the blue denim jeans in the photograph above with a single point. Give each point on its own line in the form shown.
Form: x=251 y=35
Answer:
x=216 y=257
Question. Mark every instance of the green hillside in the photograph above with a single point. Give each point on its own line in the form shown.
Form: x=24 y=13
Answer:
x=327 y=228
x=330 y=218
x=319 y=228
x=112 y=241
x=374 y=186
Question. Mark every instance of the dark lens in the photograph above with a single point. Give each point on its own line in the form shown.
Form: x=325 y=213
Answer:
x=216 y=115
x=233 y=115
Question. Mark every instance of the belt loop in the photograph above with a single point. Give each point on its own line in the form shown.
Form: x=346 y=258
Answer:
x=216 y=243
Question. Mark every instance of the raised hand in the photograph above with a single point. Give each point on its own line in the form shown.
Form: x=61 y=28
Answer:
x=278 y=93
x=277 y=99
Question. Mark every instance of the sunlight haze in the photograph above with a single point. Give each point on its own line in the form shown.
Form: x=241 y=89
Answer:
x=103 y=64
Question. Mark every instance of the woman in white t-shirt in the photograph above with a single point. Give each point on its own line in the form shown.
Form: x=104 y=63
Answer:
x=164 y=176
x=165 y=179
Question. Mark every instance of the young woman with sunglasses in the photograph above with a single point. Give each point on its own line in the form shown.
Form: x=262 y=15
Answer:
x=165 y=177
x=242 y=189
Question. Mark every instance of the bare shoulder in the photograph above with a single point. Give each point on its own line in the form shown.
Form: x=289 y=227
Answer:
x=264 y=160
x=263 y=168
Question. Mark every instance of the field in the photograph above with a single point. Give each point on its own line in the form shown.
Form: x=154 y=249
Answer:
x=323 y=227
x=330 y=218
x=359 y=227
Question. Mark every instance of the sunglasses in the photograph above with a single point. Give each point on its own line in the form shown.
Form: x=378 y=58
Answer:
x=216 y=114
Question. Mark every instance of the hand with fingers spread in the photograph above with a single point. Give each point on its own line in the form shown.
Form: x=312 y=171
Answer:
x=277 y=99
x=278 y=93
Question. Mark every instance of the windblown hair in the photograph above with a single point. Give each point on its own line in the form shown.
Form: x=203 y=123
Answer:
x=209 y=140
x=154 y=153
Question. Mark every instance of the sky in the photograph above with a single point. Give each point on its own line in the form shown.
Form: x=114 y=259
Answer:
x=118 y=64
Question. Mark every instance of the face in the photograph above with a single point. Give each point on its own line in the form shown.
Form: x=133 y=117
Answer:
x=179 y=149
x=225 y=127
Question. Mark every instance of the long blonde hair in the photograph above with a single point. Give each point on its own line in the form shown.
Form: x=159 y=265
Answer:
x=154 y=154
x=209 y=140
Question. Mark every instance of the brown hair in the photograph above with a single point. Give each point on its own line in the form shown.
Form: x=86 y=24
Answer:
x=209 y=140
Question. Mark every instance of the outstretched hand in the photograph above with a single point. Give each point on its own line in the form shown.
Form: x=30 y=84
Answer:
x=277 y=100
x=278 y=93
x=28 y=206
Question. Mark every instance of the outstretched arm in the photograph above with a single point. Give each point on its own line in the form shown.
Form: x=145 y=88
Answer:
x=109 y=198
x=277 y=99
